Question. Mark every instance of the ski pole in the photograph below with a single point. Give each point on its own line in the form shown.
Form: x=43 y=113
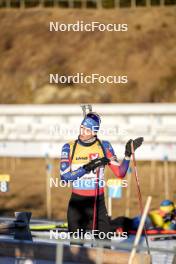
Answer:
x=88 y=108
x=95 y=212
x=139 y=193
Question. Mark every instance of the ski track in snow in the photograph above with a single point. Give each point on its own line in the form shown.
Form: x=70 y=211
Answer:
x=159 y=257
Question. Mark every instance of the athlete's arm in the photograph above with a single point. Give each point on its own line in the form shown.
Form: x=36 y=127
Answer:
x=65 y=166
x=119 y=169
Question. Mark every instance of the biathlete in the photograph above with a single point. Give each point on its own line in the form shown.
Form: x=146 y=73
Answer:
x=83 y=162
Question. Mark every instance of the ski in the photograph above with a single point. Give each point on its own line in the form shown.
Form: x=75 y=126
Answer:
x=163 y=238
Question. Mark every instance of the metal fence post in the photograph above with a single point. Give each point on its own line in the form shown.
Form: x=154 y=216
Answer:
x=41 y=3
x=152 y=175
x=48 y=188
x=71 y=3
x=55 y=3
x=133 y=3
x=166 y=178
x=117 y=3
x=22 y=4
x=148 y=3
x=59 y=253
x=8 y=3
x=99 y=3
x=99 y=255
x=84 y=3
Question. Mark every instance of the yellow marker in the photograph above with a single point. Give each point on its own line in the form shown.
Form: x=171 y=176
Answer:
x=47 y=227
x=42 y=227
x=4 y=178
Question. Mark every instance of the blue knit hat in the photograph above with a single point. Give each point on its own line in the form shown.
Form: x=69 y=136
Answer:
x=167 y=206
x=92 y=121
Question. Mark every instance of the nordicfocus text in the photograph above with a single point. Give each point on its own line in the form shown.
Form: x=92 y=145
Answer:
x=87 y=27
x=80 y=78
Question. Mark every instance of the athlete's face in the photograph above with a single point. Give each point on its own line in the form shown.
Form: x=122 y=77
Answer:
x=86 y=133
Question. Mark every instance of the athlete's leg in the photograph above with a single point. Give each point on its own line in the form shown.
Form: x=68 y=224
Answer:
x=103 y=224
x=73 y=216
x=78 y=213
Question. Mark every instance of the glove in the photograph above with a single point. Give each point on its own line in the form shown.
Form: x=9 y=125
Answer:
x=136 y=143
x=167 y=217
x=93 y=164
